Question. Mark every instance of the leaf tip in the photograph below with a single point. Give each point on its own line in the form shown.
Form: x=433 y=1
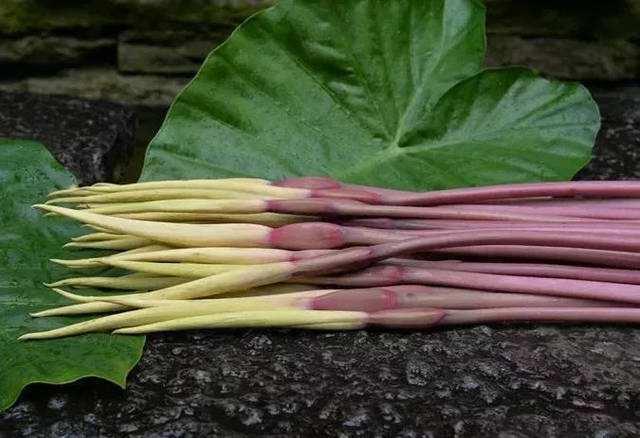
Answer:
x=64 y=293
x=124 y=331
x=71 y=296
x=48 y=312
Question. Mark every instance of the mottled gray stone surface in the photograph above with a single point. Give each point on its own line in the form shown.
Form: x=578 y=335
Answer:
x=55 y=51
x=102 y=83
x=567 y=58
x=142 y=52
x=166 y=52
x=20 y=17
x=497 y=381
x=524 y=381
x=93 y=139
x=617 y=151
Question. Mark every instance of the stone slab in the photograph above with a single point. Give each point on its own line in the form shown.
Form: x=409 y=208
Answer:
x=568 y=39
x=103 y=83
x=573 y=18
x=93 y=139
x=499 y=381
x=567 y=58
x=579 y=19
x=54 y=51
x=617 y=150
x=170 y=53
x=20 y=17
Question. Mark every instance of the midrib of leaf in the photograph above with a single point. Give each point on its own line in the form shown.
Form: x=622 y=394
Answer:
x=307 y=72
x=393 y=146
x=393 y=137
x=400 y=131
x=362 y=77
x=393 y=150
x=486 y=136
x=375 y=145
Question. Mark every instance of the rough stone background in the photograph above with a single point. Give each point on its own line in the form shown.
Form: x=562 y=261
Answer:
x=494 y=381
x=142 y=52
x=507 y=382
x=92 y=139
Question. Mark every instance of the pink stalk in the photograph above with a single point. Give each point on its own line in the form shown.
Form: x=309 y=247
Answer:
x=385 y=275
x=341 y=207
x=368 y=255
x=444 y=224
x=626 y=276
x=591 y=212
x=426 y=318
x=354 y=194
x=321 y=235
x=415 y=296
x=564 y=202
x=587 y=189
x=612 y=230
x=613 y=259
x=558 y=314
x=373 y=235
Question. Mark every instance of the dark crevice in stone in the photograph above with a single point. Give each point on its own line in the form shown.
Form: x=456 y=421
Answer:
x=93 y=139
x=41 y=56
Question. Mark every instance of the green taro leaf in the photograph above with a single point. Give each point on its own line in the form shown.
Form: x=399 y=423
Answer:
x=27 y=241
x=385 y=92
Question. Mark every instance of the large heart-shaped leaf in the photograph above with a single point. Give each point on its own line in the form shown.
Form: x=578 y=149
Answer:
x=378 y=92
x=28 y=240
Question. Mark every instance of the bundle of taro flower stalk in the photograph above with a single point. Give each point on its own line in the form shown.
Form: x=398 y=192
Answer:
x=315 y=253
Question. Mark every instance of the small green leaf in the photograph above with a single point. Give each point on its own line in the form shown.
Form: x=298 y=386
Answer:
x=28 y=240
x=390 y=93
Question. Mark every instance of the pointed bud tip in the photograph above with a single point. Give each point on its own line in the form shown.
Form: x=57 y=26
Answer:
x=75 y=297
x=64 y=293
x=69 y=263
x=44 y=313
x=55 y=201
